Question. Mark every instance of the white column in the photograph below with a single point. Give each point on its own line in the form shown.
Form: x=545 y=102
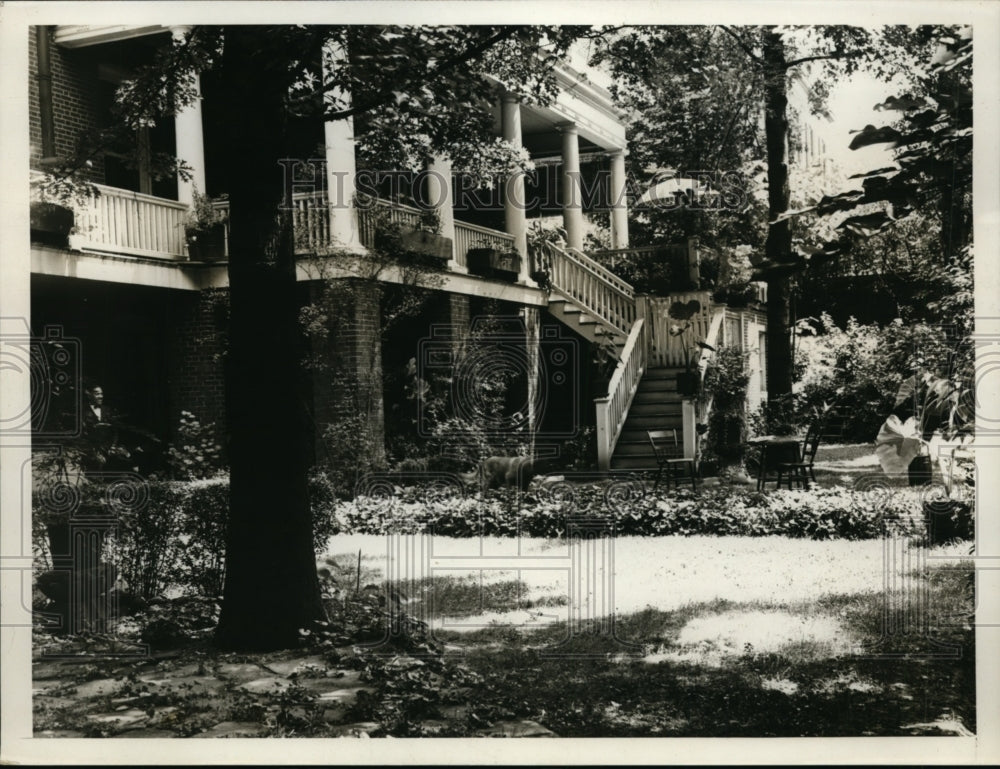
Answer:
x=190 y=139
x=619 y=201
x=571 y=188
x=440 y=195
x=341 y=167
x=515 y=215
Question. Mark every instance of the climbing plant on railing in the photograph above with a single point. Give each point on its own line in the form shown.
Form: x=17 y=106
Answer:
x=726 y=383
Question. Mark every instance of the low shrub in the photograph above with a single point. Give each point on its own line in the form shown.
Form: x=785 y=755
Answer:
x=819 y=513
x=176 y=536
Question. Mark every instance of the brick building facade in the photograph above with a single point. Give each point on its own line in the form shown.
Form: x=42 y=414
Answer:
x=160 y=345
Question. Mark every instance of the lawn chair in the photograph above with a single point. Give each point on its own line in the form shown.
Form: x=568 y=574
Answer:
x=669 y=456
x=801 y=471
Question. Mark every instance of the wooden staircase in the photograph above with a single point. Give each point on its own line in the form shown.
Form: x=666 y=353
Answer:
x=590 y=327
x=600 y=306
x=655 y=406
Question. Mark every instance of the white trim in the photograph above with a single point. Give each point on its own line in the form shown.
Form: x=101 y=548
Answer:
x=82 y=35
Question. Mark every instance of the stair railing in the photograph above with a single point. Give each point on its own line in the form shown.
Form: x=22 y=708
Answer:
x=612 y=409
x=604 y=295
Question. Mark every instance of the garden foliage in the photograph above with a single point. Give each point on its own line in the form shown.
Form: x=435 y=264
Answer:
x=862 y=368
x=819 y=513
x=176 y=540
x=726 y=383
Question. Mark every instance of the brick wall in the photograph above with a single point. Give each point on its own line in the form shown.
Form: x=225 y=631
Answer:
x=197 y=344
x=347 y=371
x=75 y=102
x=459 y=319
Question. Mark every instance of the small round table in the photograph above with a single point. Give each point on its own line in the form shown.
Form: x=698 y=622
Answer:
x=775 y=449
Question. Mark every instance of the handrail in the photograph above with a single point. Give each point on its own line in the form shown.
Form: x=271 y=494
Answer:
x=612 y=409
x=581 y=280
x=602 y=271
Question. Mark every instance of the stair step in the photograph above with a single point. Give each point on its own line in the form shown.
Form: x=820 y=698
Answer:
x=638 y=425
x=652 y=409
x=633 y=449
x=632 y=433
x=633 y=463
x=662 y=373
x=657 y=385
x=656 y=396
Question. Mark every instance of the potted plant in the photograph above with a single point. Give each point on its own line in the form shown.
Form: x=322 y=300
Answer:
x=51 y=212
x=205 y=229
x=930 y=405
x=425 y=240
x=489 y=261
x=689 y=380
x=538 y=239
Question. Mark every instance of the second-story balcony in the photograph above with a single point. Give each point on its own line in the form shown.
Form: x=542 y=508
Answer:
x=123 y=222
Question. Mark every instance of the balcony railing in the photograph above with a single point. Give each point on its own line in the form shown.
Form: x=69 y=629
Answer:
x=125 y=222
x=474 y=236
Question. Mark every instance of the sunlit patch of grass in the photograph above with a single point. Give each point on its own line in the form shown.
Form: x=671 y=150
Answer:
x=595 y=685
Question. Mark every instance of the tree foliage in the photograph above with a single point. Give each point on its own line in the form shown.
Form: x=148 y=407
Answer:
x=691 y=107
x=414 y=93
x=932 y=143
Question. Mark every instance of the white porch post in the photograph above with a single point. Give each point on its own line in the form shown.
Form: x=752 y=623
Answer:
x=190 y=140
x=341 y=167
x=619 y=201
x=571 y=188
x=440 y=195
x=515 y=215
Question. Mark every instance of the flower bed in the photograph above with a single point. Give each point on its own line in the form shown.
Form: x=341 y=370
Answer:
x=820 y=513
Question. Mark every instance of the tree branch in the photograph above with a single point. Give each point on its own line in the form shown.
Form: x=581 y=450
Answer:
x=741 y=43
x=820 y=57
x=365 y=106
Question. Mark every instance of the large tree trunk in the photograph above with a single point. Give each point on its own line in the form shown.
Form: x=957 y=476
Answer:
x=271 y=589
x=778 y=247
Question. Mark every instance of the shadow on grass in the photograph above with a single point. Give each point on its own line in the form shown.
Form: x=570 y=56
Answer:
x=910 y=670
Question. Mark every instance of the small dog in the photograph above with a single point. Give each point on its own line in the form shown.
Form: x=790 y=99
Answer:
x=497 y=472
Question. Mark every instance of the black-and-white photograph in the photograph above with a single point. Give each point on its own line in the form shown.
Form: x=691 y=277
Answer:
x=446 y=377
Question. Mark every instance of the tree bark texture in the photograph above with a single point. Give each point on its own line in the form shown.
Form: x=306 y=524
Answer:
x=778 y=247
x=271 y=589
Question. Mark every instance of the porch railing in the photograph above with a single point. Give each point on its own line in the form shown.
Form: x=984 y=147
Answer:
x=398 y=213
x=132 y=223
x=612 y=410
x=469 y=235
x=671 y=351
x=125 y=222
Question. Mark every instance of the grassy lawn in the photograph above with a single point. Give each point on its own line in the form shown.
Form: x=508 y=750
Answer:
x=713 y=636
x=699 y=630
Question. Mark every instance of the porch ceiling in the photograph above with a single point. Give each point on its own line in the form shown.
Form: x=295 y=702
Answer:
x=81 y=35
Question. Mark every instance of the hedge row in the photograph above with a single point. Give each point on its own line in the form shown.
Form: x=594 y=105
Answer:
x=819 y=513
x=176 y=538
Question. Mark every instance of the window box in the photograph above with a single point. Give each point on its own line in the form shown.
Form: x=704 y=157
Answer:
x=207 y=245
x=51 y=223
x=494 y=263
